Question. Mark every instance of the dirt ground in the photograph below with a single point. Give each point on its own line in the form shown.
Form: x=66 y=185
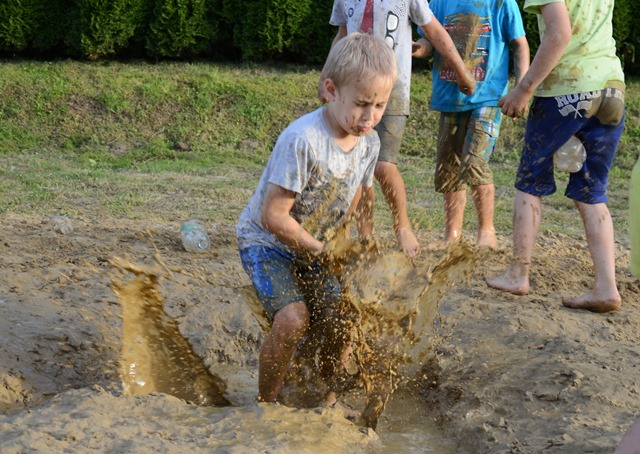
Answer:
x=508 y=375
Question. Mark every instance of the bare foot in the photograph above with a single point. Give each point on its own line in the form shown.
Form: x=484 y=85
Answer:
x=487 y=238
x=408 y=241
x=594 y=302
x=510 y=281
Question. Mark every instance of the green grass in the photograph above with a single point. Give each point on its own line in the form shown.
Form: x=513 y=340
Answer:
x=171 y=140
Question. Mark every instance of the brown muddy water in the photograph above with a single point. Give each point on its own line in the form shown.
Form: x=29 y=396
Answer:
x=507 y=374
x=390 y=307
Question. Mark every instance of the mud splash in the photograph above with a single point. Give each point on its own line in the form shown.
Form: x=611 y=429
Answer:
x=386 y=319
x=379 y=334
x=155 y=357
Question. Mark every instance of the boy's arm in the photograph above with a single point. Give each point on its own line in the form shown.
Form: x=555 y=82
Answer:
x=552 y=46
x=440 y=39
x=364 y=215
x=421 y=48
x=276 y=218
x=342 y=32
x=521 y=58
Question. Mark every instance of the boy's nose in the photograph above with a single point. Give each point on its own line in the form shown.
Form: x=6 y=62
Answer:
x=368 y=113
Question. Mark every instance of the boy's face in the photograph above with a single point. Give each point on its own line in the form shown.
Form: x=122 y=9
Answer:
x=356 y=108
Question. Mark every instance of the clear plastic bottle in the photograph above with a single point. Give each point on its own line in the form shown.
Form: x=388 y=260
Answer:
x=634 y=219
x=571 y=156
x=194 y=237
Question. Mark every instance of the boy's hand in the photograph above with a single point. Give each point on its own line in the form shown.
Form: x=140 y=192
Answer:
x=421 y=48
x=514 y=104
x=466 y=83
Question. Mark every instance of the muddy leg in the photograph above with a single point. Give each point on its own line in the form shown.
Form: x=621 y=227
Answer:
x=289 y=325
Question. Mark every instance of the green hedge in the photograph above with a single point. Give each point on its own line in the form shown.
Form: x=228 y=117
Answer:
x=179 y=28
x=16 y=26
x=254 y=30
x=34 y=26
x=104 y=28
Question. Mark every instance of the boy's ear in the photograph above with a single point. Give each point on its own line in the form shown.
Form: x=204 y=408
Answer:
x=329 y=89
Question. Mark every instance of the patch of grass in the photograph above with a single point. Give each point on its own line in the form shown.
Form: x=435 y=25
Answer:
x=174 y=140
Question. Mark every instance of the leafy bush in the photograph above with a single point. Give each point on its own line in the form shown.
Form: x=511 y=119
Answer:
x=296 y=31
x=103 y=28
x=17 y=24
x=179 y=28
x=267 y=28
x=313 y=39
x=625 y=17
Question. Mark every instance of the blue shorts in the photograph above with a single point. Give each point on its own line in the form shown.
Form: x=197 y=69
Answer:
x=280 y=279
x=466 y=141
x=596 y=118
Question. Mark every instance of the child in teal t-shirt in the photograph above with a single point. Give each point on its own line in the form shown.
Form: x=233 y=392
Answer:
x=482 y=31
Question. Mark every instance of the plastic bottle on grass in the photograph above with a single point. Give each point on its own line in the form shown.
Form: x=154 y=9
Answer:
x=571 y=156
x=194 y=237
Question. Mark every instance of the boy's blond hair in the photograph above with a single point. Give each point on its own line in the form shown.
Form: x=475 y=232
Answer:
x=359 y=56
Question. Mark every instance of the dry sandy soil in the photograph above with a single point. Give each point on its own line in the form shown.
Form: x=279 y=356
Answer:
x=508 y=374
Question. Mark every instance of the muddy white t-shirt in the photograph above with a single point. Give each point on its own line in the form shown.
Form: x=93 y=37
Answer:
x=307 y=160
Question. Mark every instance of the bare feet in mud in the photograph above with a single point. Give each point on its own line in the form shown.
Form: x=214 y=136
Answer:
x=510 y=281
x=408 y=242
x=594 y=302
x=487 y=238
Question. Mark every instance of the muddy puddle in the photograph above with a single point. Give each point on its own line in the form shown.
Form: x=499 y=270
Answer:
x=511 y=374
x=386 y=317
